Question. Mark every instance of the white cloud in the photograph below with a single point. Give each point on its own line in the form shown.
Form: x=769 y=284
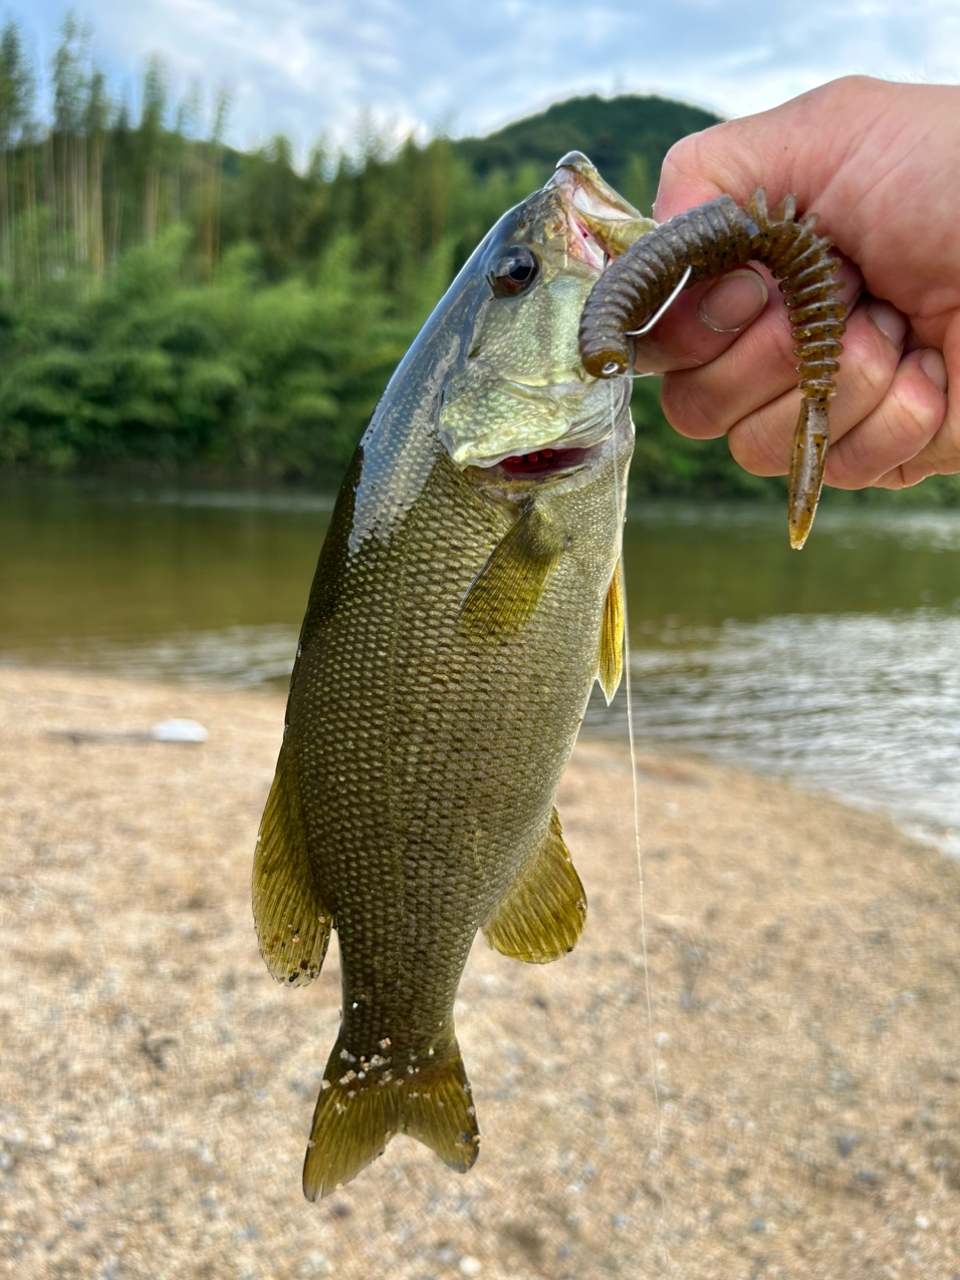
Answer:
x=303 y=67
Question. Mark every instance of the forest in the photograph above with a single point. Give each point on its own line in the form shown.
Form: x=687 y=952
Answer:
x=171 y=306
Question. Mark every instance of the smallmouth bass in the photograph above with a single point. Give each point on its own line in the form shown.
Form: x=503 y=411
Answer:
x=466 y=597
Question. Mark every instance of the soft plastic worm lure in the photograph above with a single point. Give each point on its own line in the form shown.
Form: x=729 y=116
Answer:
x=710 y=239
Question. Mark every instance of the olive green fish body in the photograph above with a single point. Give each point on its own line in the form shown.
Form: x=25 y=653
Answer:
x=459 y=616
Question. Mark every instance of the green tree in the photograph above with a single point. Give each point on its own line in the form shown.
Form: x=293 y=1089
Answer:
x=17 y=89
x=151 y=143
x=95 y=121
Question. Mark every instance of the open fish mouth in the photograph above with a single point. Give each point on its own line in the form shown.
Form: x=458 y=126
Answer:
x=518 y=397
x=544 y=461
x=547 y=462
x=602 y=223
x=537 y=421
x=540 y=452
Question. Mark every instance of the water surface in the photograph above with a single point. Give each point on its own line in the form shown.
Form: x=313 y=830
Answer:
x=836 y=666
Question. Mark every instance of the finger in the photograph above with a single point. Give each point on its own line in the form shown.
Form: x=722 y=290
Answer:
x=895 y=479
x=899 y=428
x=755 y=371
x=761 y=441
x=703 y=321
x=942 y=454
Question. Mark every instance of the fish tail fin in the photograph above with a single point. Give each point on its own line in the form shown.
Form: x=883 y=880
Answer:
x=357 y=1115
x=438 y=1110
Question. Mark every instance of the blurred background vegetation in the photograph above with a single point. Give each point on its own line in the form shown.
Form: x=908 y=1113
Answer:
x=170 y=306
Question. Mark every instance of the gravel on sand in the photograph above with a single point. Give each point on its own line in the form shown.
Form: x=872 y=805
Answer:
x=799 y=1014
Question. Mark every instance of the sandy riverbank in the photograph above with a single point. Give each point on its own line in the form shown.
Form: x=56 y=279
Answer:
x=156 y=1086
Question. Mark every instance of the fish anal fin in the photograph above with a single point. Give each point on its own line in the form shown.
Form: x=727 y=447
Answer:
x=293 y=924
x=506 y=591
x=542 y=916
x=610 y=667
x=356 y=1116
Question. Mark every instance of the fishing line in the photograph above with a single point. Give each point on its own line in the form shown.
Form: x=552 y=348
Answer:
x=621 y=506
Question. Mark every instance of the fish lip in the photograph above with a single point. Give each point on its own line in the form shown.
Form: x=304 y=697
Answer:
x=594 y=424
x=582 y=187
x=567 y=440
x=595 y=211
x=581 y=239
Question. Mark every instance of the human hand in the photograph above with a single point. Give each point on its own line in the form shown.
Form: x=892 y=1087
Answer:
x=876 y=161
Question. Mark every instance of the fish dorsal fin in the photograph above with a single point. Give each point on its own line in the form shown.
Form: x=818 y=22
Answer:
x=542 y=916
x=610 y=667
x=293 y=925
x=504 y=594
x=359 y=1111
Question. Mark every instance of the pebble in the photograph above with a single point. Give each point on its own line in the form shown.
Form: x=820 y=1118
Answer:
x=845 y=1142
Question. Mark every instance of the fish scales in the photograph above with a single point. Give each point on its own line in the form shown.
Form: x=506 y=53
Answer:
x=466 y=599
x=422 y=748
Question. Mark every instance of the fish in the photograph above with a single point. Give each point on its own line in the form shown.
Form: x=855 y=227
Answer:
x=467 y=596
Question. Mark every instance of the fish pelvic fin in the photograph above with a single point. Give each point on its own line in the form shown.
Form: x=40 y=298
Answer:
x=357 y=1115
x=610 y=667
x=543 y=915
x=293 y=924
x=507 y=590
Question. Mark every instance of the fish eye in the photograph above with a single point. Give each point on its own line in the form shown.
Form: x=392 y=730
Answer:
x=516 y=270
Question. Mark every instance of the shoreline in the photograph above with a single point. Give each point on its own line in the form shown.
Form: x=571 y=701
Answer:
x=939 y=835
x=803 y=961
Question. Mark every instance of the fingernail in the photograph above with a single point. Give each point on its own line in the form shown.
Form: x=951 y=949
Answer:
x=934 y=366
x=733 y=301
x=891 y=322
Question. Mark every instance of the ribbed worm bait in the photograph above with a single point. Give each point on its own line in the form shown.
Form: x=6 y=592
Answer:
x=711 y=239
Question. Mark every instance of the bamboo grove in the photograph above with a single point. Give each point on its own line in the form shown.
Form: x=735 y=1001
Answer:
x=172 y=306
x=168 y=302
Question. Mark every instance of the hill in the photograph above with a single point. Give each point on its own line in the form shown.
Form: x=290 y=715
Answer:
x=169 y=303
x=626 y=137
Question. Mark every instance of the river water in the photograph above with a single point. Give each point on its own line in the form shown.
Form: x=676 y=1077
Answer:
x=838 y=666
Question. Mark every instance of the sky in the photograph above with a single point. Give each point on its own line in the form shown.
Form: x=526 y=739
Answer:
x=311 y=67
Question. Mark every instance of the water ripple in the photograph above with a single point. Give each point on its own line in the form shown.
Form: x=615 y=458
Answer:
x=865 y=706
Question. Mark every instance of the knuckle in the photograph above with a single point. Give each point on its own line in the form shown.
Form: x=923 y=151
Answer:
x=889 y=447
x=917 y=408
x=683 y=157
x=689 y=410
x=868 y=366
x=874 y=376
x=760 y=443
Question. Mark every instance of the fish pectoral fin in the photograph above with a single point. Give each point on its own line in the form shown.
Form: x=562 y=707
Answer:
x=355 y=1118
x=504 y=594
x=542 y=916
x=610 y=667
x=293 y=924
